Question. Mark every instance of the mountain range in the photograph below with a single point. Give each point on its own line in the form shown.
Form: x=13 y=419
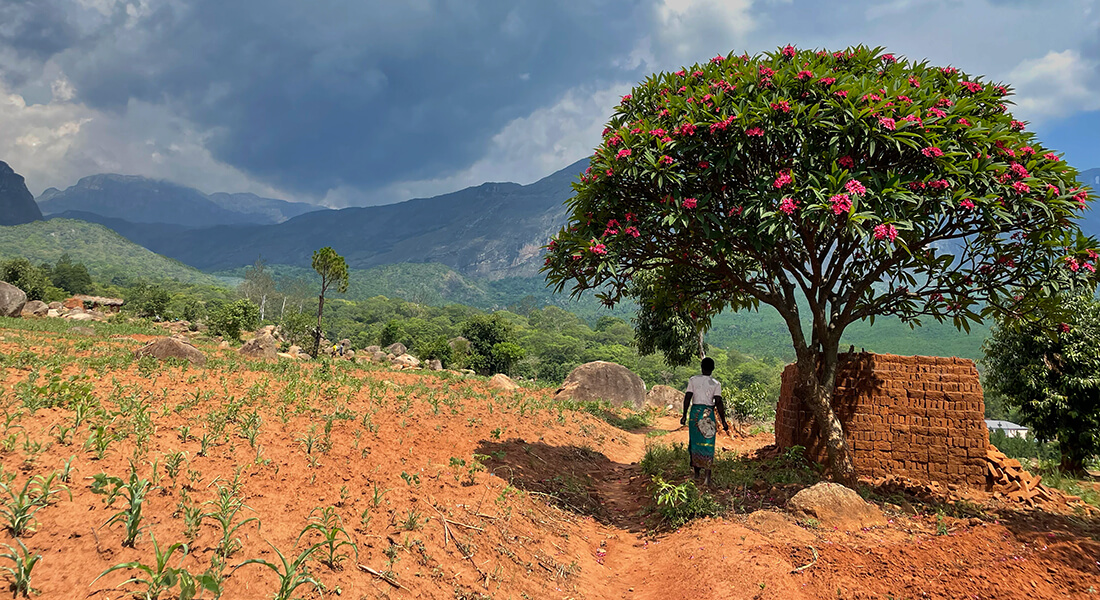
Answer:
x=142 y=200
x=491 y=231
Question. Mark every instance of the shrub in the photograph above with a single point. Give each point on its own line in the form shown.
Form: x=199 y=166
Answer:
x=228 y=320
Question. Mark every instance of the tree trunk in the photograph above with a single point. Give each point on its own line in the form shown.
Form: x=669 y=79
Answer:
x=263 y=303
x=317 y=332
x=817 y=380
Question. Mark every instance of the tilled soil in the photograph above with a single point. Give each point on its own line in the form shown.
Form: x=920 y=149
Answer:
x=449 y=490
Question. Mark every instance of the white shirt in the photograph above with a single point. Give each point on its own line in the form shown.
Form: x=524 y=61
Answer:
x=703 y=389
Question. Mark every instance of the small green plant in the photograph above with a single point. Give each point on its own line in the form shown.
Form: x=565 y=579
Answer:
x=105 y=485
x=134 y=491
x=679 y=504
x=172 y=463
x=378 y=495
x=292 y=574
x=226 y=506
x=159 y=578
x=412 y=480
x=19 y=508
x=329 y=525
x=412 y=520
x=22 y=565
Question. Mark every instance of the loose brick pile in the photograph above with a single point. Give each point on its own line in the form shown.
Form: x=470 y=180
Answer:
x=917 y=417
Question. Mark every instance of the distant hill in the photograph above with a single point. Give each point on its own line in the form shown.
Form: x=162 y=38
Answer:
x=16 y=202
x=106 y=254
x=142 y=200
x=490 y=231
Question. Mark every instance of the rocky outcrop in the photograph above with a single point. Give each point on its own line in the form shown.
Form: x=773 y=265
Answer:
x=261 y=347
x=662 y=397
x=608 y=381
x=165 y=348
x=435 y=365
x=833 y=505
x=500 y=381
x=35 y=308
x=17 y=205
x=12 y=299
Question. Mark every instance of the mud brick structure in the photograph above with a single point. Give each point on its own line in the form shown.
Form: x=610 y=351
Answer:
x=919 y=417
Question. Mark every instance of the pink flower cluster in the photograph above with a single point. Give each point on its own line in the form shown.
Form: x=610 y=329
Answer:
x=1021 y=187
x=598 y=248
x=782 y=179
x=690 y=202
x=913 y=81
x=949 y=71
x=632 y=231
x=754 y=132
x=888 y=58
x=841 y=93
x=1017 y=125
x=614 y=140
x=1052 y=157
x=687 y=129
x=665 y=160
x=788 y=206
x=827 y=81
x=971 y=86
x=723 y=124
x=841 y=204
x=704 y=164
x=888 y=123
x=782 y=106
x=967 y=203
x=846 y=162
x=627 y=98
x=932 y=152
x=939 y=185
x=788 y=51
x=612 y=228
x=935 y=112
x=1019 y=170
x=804 y=75
x=625 y=152
x=855 y=187
x=885 y=231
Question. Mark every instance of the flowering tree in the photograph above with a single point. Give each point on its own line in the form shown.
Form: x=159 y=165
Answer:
x=832 y=186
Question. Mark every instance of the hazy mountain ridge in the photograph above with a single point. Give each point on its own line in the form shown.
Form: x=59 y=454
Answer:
x=490 y=231
x=143 y=200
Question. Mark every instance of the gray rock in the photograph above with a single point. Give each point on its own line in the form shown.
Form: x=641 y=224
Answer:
x=663 y=396
x=397 y=349
x=435 y=364
x=12 y=300
x=35 y=308
x=407 y=360
x=833 y=505
x=261 y=347
x=56 y=306
x=608 y=381
x=378 y=357
x=372 y=349
x=172 y=348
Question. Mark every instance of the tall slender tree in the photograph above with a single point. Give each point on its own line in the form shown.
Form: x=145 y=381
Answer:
x=334 y=272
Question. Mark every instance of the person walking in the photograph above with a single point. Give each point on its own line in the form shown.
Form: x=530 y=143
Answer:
x=702 y=399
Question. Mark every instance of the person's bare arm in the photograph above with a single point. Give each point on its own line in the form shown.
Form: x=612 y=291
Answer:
x=687 y=403
x=720 y=408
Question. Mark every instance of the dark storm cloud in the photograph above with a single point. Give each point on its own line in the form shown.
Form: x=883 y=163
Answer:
x=312 y=95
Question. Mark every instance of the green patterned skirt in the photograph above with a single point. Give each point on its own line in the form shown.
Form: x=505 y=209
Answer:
x=702 y=429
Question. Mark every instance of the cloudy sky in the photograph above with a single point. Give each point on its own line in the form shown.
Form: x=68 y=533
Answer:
x=355 y=102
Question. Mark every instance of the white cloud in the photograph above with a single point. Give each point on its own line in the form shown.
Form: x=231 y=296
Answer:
x=53 y=144
x=687 y=31
x=1056 y=85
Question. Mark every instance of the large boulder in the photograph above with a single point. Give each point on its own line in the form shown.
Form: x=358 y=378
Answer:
x=833 y=505
x=500 y=381
x=35 y=308
x=396 y=349
x=12 y=299
x=608 y=381
x=406 y=360
x=370 y=350
x=261 y=347
x=435 y=364
x=662 y=397
x=171 y=347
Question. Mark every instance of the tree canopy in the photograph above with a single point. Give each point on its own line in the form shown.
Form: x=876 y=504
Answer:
x=333 y=270
x=854 y=184
x=1049 y=371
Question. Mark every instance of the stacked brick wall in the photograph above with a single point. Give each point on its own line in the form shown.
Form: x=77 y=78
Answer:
x=912 y=416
